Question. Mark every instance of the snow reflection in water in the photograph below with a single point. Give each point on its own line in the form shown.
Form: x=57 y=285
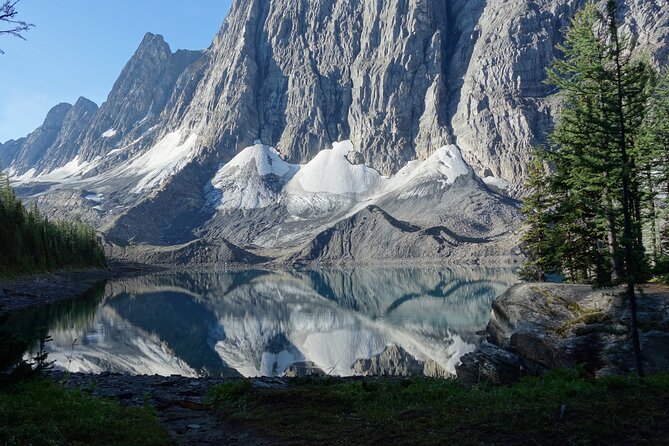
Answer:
x=268 y=323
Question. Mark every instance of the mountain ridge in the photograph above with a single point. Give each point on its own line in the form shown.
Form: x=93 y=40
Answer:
x=396 y=82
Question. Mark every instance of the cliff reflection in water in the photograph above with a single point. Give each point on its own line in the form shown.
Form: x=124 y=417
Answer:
x=394 y=321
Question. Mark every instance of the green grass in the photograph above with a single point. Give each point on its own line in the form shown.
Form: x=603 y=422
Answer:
x=41 y=412
x=560 y=408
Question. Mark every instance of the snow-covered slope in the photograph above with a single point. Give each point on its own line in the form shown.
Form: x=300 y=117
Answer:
x=322 y=197
x=251 y=180
x=162 y=160
x=330 y=172
x=441 y=169
x=145 y=170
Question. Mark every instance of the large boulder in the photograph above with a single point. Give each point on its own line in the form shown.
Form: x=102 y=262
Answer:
x=536 y=327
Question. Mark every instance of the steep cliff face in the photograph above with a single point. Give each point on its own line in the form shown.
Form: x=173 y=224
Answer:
x=505 y=108
x=399 y=80
x=138 y=99
x=302 y=75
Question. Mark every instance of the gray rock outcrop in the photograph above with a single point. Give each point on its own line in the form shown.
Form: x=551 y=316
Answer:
x=373 y=236
x=537 y=327
x=399 y=78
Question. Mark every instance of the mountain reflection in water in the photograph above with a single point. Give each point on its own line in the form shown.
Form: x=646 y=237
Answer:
x=396 y=321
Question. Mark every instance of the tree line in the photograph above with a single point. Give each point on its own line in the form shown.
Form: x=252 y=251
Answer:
x=30 y=242
x=598 y=203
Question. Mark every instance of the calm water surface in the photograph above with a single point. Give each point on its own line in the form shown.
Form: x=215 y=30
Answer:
x=267 y=323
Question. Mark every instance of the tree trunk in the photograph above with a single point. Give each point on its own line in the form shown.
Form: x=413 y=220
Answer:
x=653 y=213
x=628 y=231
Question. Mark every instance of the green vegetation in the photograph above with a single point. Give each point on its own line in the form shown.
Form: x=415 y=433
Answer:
x=595 y=205
x=30 y=243
x=560 y=408
x=41 y=412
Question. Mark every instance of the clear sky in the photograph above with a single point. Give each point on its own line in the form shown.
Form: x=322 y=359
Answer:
x=78 y=48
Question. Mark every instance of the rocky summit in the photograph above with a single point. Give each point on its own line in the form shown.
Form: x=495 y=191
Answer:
x=317 y=131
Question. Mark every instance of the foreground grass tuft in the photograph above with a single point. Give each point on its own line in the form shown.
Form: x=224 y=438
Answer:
x=41 y=412
x=560 y=408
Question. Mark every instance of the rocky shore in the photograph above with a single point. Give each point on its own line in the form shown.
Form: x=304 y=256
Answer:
x=537 y=327
x=30 y=291
x=181 y=403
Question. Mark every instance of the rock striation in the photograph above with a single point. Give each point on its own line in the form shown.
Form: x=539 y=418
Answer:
x=399 y=80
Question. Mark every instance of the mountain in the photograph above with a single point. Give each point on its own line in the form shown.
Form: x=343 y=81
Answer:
x=300 y=115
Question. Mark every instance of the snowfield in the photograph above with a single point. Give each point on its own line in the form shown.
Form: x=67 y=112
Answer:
x=163 y=160
x=266 y=158
x=330 y=172
x=251 y=180
x=329 y=182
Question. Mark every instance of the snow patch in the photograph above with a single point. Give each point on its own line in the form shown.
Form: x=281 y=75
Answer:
x=95 y=198
x=72 y=170
x=445 y=163
x=267 y=161
x=163 y=160
x=109 y=133
x=236 y=187
x=25 y=177
x=331 y=172
x=115 y=151
x=496 y=182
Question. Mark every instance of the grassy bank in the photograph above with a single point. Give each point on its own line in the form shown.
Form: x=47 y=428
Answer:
x=558 y=409
x=41 y=412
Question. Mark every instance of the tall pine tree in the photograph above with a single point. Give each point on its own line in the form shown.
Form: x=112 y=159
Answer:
x=600 y=188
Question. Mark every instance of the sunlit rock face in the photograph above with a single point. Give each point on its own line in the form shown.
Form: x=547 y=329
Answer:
x=338 y=102
x=389 y=321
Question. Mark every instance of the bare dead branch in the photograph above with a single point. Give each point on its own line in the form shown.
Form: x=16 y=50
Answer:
x=9 y=23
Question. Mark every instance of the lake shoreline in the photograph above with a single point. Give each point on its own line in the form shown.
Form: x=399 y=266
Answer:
x=382 y=410
x=36 y=290
x=538 y=327
x=181 y=402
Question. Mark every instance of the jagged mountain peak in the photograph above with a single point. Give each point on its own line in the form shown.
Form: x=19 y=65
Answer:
x=83 y=102
x=55 y=117
x=405 y=105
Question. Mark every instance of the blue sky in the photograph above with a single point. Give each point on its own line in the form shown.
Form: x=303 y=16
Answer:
x=78 y=48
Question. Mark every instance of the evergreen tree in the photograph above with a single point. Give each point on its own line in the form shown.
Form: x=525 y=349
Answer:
x=586 y=216
x=29 y=242
x=653 y=144
x=629 y=77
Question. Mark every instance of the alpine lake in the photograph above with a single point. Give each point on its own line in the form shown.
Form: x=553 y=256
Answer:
x=266 y=322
